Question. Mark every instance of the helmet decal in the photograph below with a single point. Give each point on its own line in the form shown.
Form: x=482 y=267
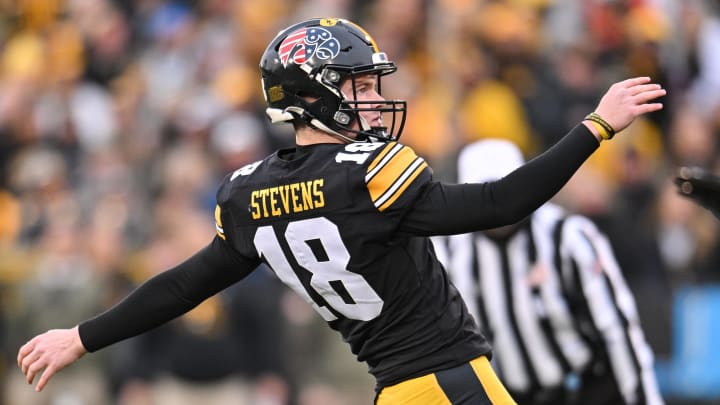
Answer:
x=302 y=44
x=329 y=22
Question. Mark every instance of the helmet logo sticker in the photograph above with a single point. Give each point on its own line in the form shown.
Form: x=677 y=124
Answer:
x=302 y=44
x=328 y=22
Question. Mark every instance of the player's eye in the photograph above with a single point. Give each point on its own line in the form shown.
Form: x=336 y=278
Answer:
x=365 y=87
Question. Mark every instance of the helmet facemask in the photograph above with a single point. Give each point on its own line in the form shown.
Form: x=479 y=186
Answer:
x=349 y=117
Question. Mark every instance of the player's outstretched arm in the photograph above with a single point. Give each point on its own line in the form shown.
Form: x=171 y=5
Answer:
x=449 y=209
x=157 y=301
x=701 y=186
x=49 y=353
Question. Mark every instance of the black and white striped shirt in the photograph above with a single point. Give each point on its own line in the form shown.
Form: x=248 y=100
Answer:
x=551 y=298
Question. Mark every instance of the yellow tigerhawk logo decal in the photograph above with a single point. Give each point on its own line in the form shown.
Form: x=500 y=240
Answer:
x=328 y=22
x=392 y=171
x=218 y=223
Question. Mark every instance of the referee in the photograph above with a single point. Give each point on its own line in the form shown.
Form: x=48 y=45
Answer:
x=550 y=296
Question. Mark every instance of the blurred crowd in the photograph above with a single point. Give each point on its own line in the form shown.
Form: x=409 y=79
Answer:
x=119 y=118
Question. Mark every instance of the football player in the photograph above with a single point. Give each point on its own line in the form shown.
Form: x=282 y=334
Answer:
x=343 y=218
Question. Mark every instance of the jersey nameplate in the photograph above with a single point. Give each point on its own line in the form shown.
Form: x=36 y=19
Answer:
x=292 y=198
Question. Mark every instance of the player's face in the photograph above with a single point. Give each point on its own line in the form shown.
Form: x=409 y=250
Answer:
x=365 y=90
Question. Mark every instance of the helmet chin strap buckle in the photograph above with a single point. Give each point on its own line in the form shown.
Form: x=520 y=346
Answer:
x=382 y=131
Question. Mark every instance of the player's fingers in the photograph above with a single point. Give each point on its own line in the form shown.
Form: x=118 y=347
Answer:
x=33 y=369
x=642 y=88
x=24 y=351
x=45 y=377
x=646 y=108
x=646 y=96
x=30 y=359
x=634 y=81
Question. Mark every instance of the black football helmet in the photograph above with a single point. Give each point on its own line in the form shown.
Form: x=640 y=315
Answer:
x=303 y=68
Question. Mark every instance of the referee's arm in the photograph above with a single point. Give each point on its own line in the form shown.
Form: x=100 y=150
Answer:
x=602 y=290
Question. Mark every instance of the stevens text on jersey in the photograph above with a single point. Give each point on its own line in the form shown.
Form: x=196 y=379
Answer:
x=286 y=199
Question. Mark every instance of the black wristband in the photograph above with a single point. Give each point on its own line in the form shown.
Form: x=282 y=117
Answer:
x=608 y=132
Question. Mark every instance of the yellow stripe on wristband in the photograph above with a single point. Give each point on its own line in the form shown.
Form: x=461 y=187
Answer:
x=608 y=131
x=601 y=130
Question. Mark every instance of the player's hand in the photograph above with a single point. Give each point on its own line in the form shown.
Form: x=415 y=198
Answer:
x=50 y=352
x=626 y=100
x=701 y=186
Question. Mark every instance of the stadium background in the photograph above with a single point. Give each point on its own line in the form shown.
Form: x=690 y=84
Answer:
x=119 y=118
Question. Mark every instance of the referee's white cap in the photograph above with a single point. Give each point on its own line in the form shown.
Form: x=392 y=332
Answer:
x=488 y=160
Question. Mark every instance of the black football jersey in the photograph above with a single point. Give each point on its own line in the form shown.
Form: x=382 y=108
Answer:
x=328 y=219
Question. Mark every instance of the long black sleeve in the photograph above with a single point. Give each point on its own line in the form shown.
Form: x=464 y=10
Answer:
x=458 y=208
x=167 y=295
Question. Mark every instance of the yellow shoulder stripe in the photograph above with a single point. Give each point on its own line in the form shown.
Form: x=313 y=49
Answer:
x=418 y=169
x=381 y=155
x=218 y=223
x=391 y=172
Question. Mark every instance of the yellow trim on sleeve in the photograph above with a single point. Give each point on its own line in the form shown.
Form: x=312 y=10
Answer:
x=390 y=172
x=381 y=155
x=218 y=223
x=402 y=188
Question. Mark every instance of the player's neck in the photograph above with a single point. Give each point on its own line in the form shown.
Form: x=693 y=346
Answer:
x=310 y=136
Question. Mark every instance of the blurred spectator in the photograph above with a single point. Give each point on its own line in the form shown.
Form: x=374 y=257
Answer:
x=692 y=140
x=238 y=139
x=703 y=21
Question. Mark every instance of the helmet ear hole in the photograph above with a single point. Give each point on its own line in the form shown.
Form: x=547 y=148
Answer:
x=342 y=118
x=331 y=76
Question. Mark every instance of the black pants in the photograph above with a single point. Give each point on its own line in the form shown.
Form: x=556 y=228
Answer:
x=553 y=396
x=597 y=387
